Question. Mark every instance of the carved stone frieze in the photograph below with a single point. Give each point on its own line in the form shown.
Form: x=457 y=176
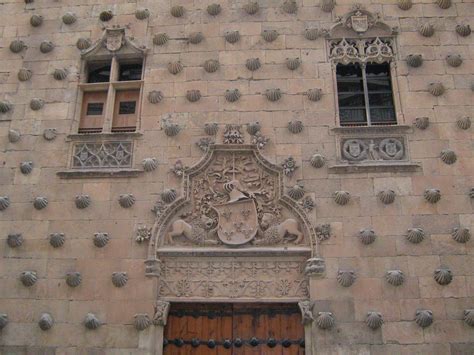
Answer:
x=236 y=278
x=102 y=155
x=347 y=51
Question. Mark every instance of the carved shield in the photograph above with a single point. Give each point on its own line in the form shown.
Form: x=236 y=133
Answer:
x=391 y=149
x=359 y=23
x=238 y=222
x=114 y=40
x=354 y=149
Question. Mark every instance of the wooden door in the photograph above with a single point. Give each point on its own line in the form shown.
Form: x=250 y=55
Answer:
x=234 y=329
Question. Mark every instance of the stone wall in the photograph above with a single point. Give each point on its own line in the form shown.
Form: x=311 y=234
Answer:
x=116 y=307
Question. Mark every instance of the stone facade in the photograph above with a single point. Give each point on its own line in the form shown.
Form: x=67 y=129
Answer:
x=384 y=212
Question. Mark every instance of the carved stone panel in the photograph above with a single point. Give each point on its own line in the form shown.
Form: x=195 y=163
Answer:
x=102 y=155
x=233 y=278
x=373 y=149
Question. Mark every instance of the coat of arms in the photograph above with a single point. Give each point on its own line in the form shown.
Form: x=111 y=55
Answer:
x=114 y=40
x=359 y=22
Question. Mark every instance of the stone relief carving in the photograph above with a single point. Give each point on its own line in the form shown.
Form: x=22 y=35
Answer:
x=143 y=233
x=306 y=308
x=102 y=155
x=46 y=321
x=233 y=279
x=162 y=309
x=141 y=321
x=373 y=149
x=323 y=231
x=113 y=39
x=233 y=134
x=363 y=51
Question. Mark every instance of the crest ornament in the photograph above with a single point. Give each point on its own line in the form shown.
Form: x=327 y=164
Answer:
x=178 y=168
x=323 y=231
x=307 y=203
x=160 y=316
x=204 y=143
x=259 y=140
x=424 y=317
x=311 y=34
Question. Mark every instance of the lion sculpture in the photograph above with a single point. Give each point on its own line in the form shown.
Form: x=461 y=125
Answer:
x=270 y=232
x=200 y=231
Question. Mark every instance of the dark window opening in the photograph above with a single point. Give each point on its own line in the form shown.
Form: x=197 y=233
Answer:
x=127 y=107
x=130 y=72
x=365 y=95
x=95 y=108
x=99 y=74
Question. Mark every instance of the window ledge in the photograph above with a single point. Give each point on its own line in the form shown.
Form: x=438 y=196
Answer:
x=100 y=136
x=345 y=167
x=99 y=173
x=372 y=129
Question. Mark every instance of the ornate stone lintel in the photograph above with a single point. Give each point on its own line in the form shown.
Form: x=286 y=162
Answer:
x=153 y=267
x=306 y=308
x=162 y=309
x=315 y=267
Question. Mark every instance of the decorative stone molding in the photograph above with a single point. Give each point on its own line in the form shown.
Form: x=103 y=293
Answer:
x=57 y=240
x=160 y=39
x=345 y=51
x=153 y=267
x=4 y=203
x=119 y=278
x=233 y=134
x=325 y=320
x=102 y=155
x=259 y=140
x=178 y=168
x=28 y=278
x=204 y=143
x=307 y=204
x=113 y=40
x=367 y=236
x=73 y=278
x=100 y=239
x=149 y=164
x=46 y=321
x=141 y=321
x=40 y=202
x=443 y=276
x=432 y=195
x=142 y=234
x=160 y=316
x=415 y=235
x=461 y=234
x=91 y=321
x=424 y=317
x=15 y=240
x=306 y=309
x=126 y=200
x=346 y=278
x=374 y=320
x=395 y=277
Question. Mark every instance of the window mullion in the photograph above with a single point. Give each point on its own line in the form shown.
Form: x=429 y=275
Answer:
x=366 y=94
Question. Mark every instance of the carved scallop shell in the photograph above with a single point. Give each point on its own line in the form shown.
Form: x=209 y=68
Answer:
x=432 y=195
x=253 y=128
x=69 y=18
x=119 y=278
x=160 y=39
x=232 y=36
x=142 y=14
x=211 y=128
x=395 y=277
x=328 y=5
x=253 y=64
x=444 y=4
x=3 y=320
x=295 y=126
x=36 y=104
x=106 y=15
x=325 y=320
x=374 y=320
x=14 y=136
x=293 y=63
x=60 y=74
x=155 y=96
x=311 y=34
x=175 y=67
x=149 y=164
x=26 y=167
x=426 y=30
x=415 y=235
x=46 y=321
x=290 y=6
x=5 y=106
x=82 y=201
x=169 y=195
x=100 y=239
x=448 y=156
x=468 y=317
x=346 y=278
x=463 y=30
x=269 y=35
x=414 y=60
x=424 y=317
x=91 y=321
x=464 y=123
x=296 y=192
x=28 y=278
x=126 y=200
x=273 y=94
x=471 y=192
x=57 y=240
x=232 y=95
x=36 y=20
x=83 y=43
x=73 y=278
x=386 y=196
x=40 y=202
x=454 y=60
x=443 y=276
x=16 y=46
x=317 y=160
x=367 y=236
x=50 y=133
x=142 y=321
x=195 y=37
x=214 y=9
x=421 y=122
x=314 y=94
x=46 y=46
x=211 y=65
x=171 y=129
x=15 y=240
x=461 y=234
x=24 y=74
x=251 y=7
x=177 y=11
x=405 y=4
x=436 y=89
x=193 y=95
x=341 y=197
x=4 y=202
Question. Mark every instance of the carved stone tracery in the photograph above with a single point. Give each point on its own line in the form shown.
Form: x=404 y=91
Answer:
x=365 y=50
